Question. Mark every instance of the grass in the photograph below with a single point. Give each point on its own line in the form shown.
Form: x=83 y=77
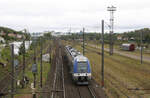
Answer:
x=121 y=73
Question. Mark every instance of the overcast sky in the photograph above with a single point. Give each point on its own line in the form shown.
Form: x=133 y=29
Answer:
x=43 y=15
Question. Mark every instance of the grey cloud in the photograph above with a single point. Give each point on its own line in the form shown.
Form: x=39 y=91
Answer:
x=41 y=15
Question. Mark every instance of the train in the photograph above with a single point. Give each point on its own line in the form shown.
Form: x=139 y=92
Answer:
x=79 y=66
x=128 y=47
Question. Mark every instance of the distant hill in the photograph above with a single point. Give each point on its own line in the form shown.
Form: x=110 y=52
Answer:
x=12 y=35
x=9 y=30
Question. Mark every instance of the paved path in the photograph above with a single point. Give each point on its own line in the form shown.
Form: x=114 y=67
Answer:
x=145 y=58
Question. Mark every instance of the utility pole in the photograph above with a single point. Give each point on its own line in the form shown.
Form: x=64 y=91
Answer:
x=102 y=40
x=34 y=74
x=141 y=47
x=24 y=54
x=111 y=43
x=41 y=69
x=83 y=41
x=34 y=50
x=50 y=53
x=70 y=31
x=23 y=58
x=12 y=72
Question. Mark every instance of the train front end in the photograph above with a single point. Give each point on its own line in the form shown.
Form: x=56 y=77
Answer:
x=82 y=70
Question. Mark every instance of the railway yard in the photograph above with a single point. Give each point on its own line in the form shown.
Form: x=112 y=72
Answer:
x=124 y=77
x=62 y=85
x=74 y=49
x=58 y=81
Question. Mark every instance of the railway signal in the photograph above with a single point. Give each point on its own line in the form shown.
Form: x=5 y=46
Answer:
x=16 y=63
x=34 y=71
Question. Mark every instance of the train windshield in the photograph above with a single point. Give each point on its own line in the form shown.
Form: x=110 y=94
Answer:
x=82 y=67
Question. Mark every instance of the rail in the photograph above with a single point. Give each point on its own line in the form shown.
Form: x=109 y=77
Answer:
x=58 y=76
x=92 y=92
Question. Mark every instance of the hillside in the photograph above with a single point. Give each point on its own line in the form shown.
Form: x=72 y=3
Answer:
x=9 y=30
x=10 y=35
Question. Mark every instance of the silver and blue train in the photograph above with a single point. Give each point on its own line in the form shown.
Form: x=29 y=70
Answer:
x=79 y=66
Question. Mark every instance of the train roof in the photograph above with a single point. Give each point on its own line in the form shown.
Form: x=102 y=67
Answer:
x=127 y=44
x=81 y=58
x=76 y=55
x=73 y=52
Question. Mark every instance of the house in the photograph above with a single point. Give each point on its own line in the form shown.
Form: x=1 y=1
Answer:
x=12 y=35
x=125 y=39
x=2 y=40
x=2 y=33
x=19 y=36
x=119 y=37
x=132 y=38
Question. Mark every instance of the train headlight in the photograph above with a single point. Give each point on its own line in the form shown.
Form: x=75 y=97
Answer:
x=76 y=74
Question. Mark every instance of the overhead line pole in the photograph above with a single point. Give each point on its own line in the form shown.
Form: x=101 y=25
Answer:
x=23 y=58
x=12 y=65
x=141 y=47
x=102 y=60
x=83 y=42
x=34 y=74
x=41 y=69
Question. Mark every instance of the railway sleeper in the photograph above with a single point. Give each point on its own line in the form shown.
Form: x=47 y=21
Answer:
x=57 y=90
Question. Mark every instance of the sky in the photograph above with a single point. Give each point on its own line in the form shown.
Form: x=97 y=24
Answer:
x=61 y=15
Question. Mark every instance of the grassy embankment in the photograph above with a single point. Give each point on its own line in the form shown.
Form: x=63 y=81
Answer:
x=121 y=73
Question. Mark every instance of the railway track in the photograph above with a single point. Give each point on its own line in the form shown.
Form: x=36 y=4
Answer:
x=92 y=92
x=75 y=91
x=86 y=92
x=58 y=89
x=60 y=83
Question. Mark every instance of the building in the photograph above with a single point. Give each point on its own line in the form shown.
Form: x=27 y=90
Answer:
x=12 y=35
x=2 y=40
x=2 y=33
x=119 y=37
x=19 y=36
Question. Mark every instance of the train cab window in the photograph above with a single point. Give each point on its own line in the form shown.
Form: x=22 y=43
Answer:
x=82 y=67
